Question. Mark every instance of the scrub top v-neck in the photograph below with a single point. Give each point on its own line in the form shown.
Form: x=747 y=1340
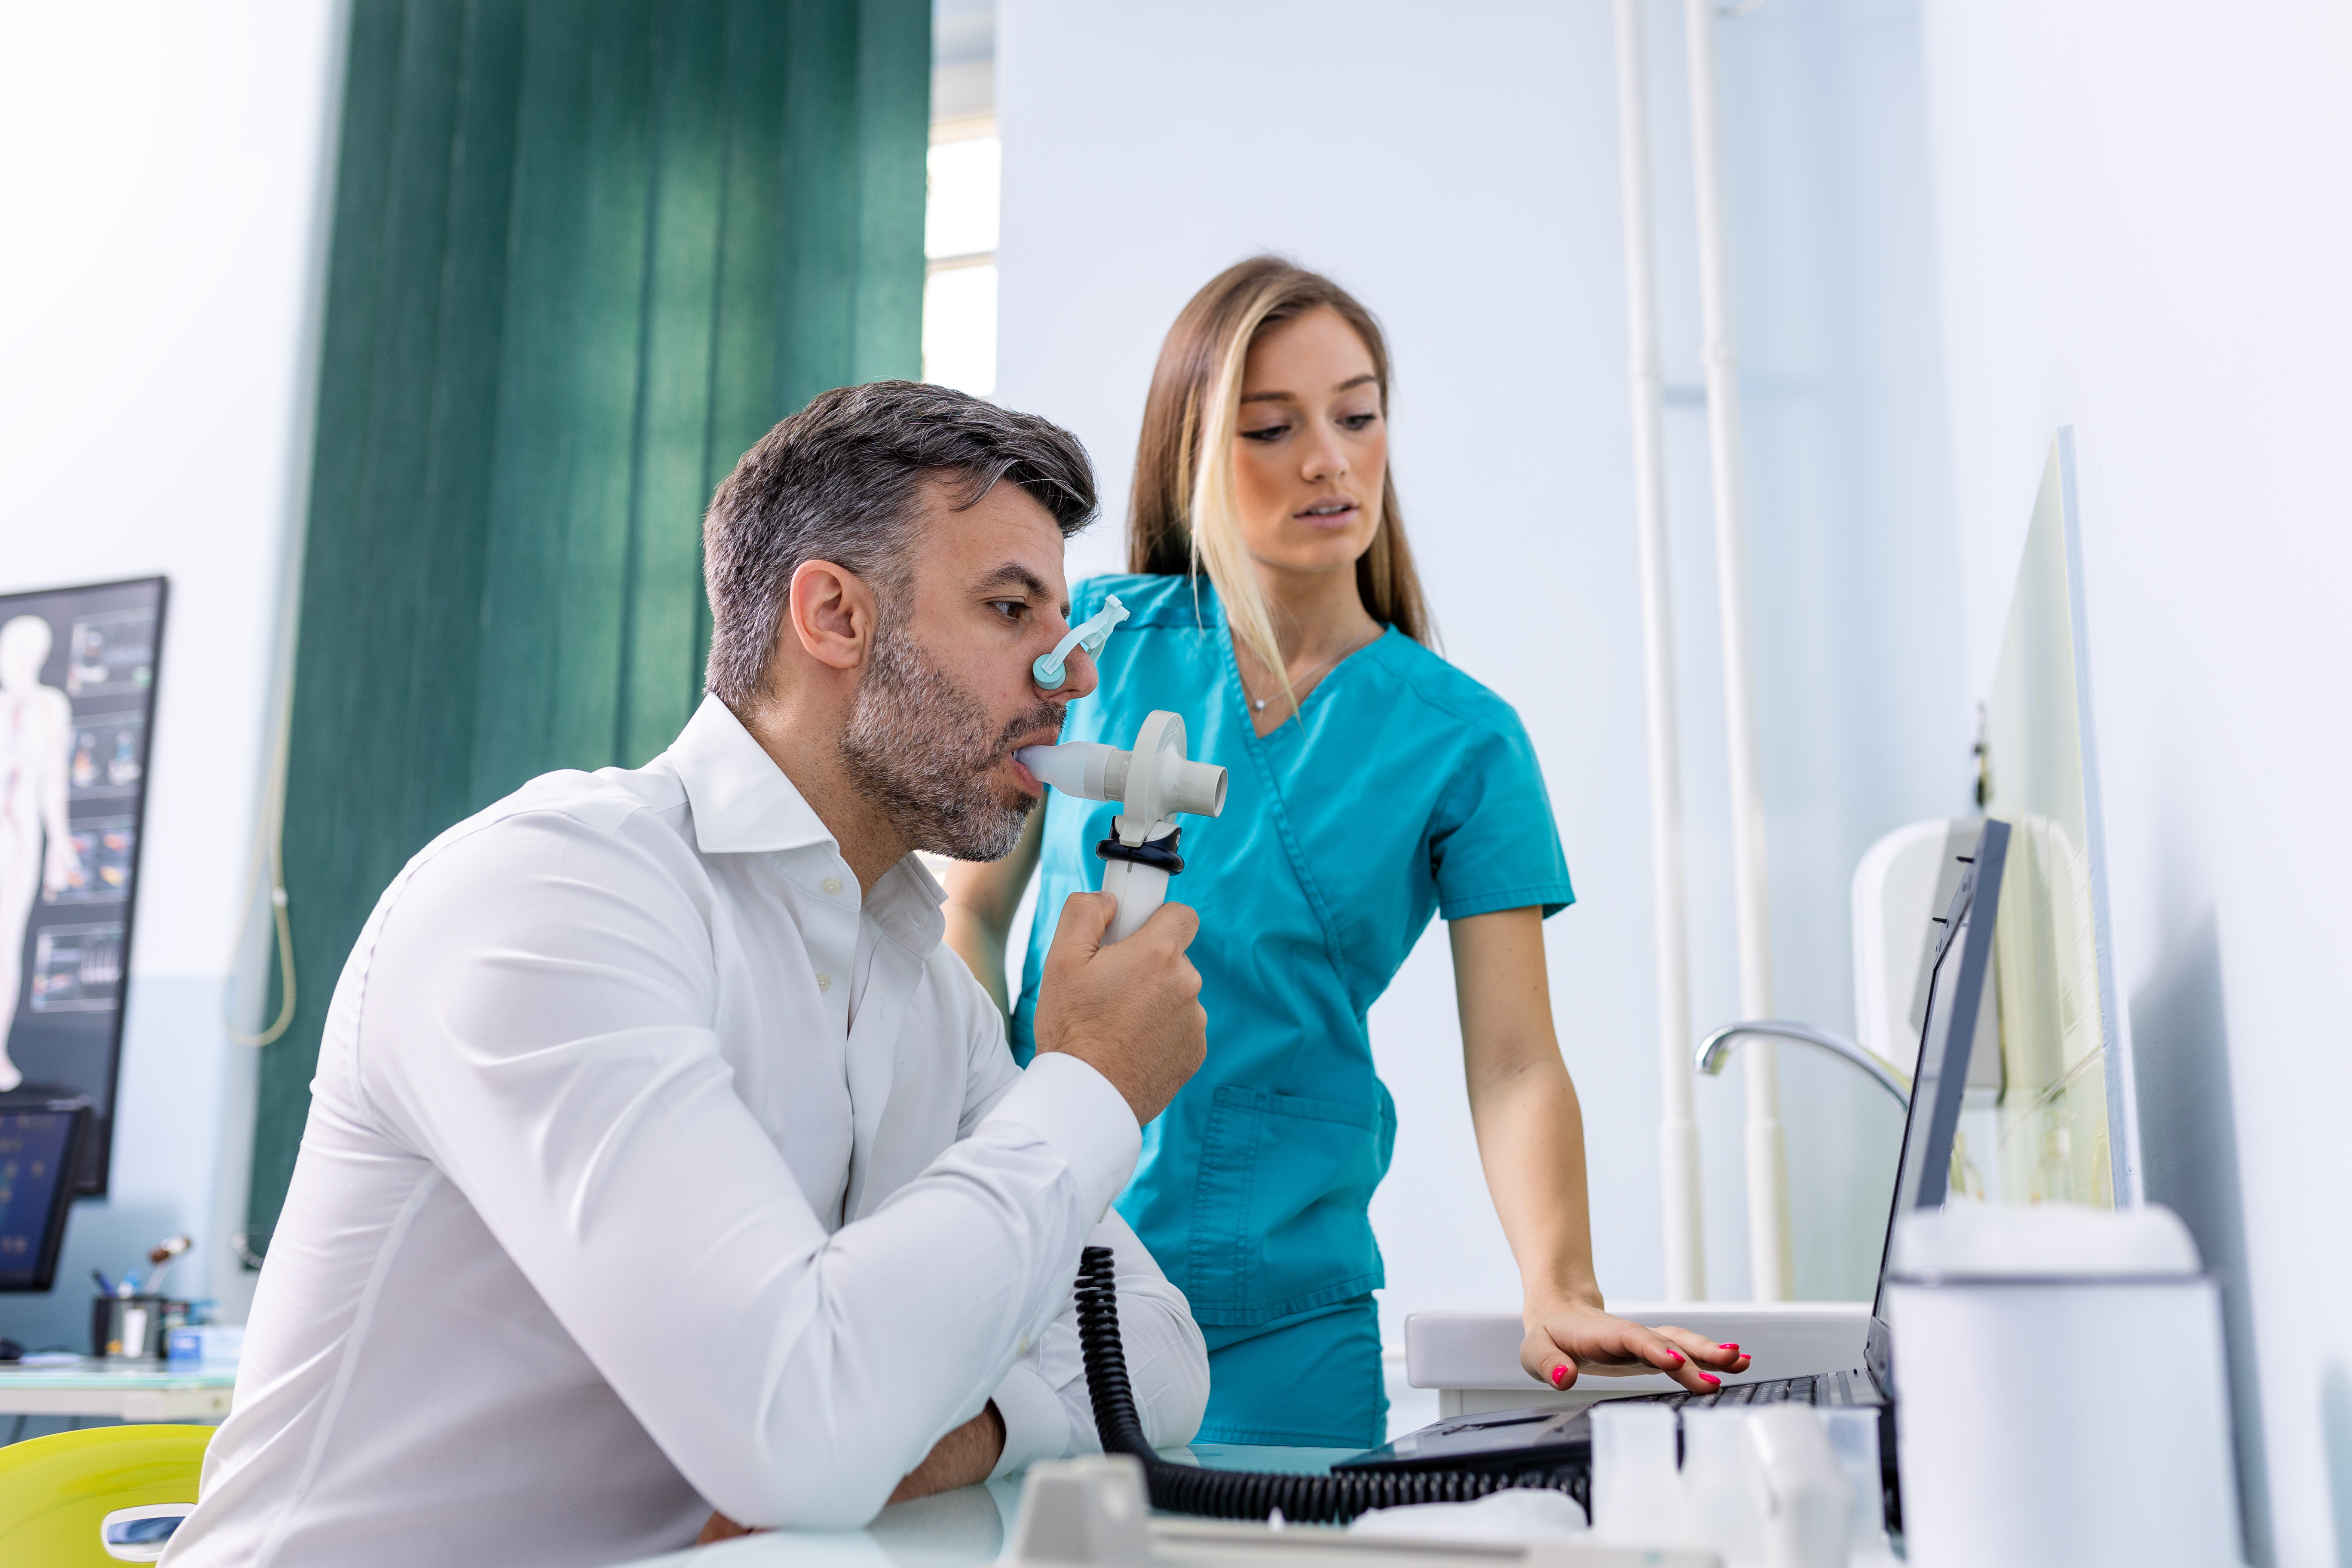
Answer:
x=1402 y=789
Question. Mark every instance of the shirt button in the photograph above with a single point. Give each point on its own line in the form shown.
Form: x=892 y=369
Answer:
x=824 y=981
x=831 y=885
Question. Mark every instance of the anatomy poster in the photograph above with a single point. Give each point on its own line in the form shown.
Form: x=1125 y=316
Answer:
x=76 y=690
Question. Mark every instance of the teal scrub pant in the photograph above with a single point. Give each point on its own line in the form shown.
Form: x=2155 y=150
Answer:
x=1311 y=1380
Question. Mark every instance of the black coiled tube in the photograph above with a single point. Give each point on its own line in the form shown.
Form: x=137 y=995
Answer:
x=1235 y=1494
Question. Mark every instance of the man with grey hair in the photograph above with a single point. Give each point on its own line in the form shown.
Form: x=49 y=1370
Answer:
x=661 y=1160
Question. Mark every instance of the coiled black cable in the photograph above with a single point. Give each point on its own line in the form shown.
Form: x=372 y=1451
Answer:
x=1241 y=1494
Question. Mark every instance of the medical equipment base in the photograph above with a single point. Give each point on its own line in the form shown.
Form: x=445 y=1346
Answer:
x=1093 y=1512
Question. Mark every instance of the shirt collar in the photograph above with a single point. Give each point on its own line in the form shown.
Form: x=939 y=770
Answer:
x=745 y=804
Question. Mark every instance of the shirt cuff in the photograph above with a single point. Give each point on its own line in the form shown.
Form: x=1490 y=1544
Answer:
x=1089 y=1123
x=1036 y=1423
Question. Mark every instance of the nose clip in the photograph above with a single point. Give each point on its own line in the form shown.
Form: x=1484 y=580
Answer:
x=1049 y=670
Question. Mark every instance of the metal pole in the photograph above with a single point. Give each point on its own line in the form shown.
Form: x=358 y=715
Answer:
x=1678 y=1173
x=1767 y=1182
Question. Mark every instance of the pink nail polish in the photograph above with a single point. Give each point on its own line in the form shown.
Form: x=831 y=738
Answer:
x=1560 y=1377
x=1677 y=1355
x=1710 y=1377
x=1729 y=1347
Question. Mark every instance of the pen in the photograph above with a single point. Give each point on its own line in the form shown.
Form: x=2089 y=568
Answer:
x=104 y=1287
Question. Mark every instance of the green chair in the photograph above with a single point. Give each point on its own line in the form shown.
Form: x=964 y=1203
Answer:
x=57 y=1492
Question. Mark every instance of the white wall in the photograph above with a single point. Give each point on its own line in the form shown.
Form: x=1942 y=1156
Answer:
x=2144 y=233
x=1458 y=170
x=163 y=167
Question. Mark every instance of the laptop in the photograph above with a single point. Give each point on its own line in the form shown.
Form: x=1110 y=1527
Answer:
x=1556 y=1445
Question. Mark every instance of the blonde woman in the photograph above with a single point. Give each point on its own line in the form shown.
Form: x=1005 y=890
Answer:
x=1274 y=604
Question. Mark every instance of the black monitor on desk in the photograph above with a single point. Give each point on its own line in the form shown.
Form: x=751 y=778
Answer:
x=38 y=1141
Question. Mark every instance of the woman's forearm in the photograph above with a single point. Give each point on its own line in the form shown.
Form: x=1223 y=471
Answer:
x=981 y=899
x=1531 y=1132
x=1532 y=1140
x=981 y=944
x=1523 y=1104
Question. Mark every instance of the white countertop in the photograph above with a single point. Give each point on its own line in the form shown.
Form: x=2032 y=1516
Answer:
x=961 y=1528
x=128 y=1390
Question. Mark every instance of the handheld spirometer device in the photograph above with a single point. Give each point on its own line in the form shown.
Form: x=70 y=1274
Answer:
x=1154 y=781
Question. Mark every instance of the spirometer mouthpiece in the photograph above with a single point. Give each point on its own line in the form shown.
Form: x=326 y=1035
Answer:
x=1092 y=771
x=1048 y=669
x=1087 y=769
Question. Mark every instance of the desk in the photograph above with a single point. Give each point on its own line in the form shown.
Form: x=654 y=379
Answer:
x=961 y=1528
x=129 y=1390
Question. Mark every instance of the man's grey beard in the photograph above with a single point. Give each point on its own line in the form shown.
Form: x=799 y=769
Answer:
x=922 y=750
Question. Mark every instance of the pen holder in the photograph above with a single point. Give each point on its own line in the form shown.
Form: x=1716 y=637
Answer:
x=132 y=1328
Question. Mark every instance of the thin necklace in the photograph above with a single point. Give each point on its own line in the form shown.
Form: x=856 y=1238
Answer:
x=1257 y=704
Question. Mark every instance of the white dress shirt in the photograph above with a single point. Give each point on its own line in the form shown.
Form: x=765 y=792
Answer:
x=650 y=1171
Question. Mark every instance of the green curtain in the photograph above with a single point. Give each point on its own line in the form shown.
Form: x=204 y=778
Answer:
x=584 y=253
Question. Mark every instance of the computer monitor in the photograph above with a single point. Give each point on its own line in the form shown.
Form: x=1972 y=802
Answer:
x=2064 y=1127
x=38 y=1144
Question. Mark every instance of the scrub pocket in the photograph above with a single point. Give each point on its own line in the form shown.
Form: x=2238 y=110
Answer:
x=1280 y=1204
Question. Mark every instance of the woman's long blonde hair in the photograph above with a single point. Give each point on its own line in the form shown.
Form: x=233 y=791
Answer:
x=1183 y=515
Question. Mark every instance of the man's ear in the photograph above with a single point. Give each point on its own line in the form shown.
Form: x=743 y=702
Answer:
x=832 y=614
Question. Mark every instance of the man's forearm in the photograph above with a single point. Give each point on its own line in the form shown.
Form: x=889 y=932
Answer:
x=961 y=1458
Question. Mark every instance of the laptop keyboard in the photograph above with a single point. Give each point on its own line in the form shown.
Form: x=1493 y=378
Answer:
x=1829 y=1388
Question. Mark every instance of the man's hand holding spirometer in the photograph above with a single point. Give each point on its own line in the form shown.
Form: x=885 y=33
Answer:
x=1132 y=1010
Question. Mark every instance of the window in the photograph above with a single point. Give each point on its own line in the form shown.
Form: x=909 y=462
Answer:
x=959 y=246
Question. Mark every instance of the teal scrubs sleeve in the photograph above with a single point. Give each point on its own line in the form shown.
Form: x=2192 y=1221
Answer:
x=1480 y=847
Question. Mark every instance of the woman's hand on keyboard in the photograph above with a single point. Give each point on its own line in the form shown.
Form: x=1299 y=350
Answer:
x=1568 y=1338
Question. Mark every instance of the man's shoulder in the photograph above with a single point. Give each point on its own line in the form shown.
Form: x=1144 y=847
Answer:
x=610 y=804
x=603 y=801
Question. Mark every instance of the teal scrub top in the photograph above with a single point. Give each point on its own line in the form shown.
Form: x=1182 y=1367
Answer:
x=1404 y=788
